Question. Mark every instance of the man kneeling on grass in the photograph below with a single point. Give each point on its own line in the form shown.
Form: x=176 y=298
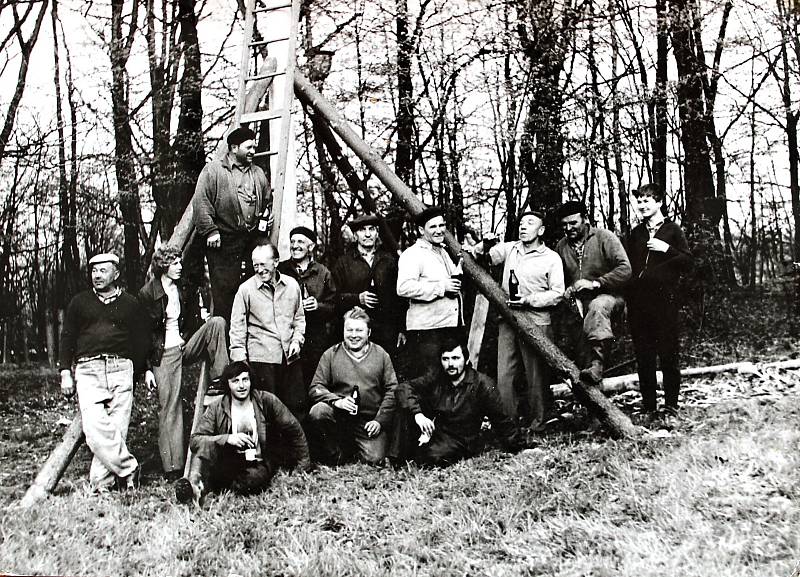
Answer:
x=449 y=405
x=243 y=437
x=353 y=389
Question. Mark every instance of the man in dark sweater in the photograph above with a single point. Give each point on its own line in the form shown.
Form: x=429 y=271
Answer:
x=448 y=406
x=596 y=269
x=366 y=276
x=230 y=197
x=104 y=341
x=319 y=296
x=659 y=254
x=242 y=439
x=354 y=395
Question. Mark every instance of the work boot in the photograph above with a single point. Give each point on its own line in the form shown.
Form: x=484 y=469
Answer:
x=598 y=351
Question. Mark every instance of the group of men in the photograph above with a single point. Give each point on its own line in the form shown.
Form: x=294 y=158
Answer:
x=289 y=390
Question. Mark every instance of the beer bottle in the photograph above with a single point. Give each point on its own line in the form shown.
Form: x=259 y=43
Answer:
x=303 y=290
x=356 y=400
x=263 y=222
x=513 y=286
x=372 y=288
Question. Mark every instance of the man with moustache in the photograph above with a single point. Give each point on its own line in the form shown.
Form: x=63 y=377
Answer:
x=318 y=292
x=267 y=330
x=429 y=279
x=596 y=269
x=366 y=276
x=449 y=405
x=230 y=196
x=104 y=343
x=353 y=392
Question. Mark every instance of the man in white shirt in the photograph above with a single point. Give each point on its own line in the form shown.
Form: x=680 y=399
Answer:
x=431 y=281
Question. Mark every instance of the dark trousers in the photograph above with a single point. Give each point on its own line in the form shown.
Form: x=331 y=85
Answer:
x=231 y=471
x=317 y=342
x=385 y=336
x=653 y=319
x=425 y=348
x=228 y=266
x=337 y=437
x=285 y=381
x=443 y=449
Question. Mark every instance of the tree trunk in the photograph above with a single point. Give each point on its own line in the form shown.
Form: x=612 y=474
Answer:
x=404 y=166
x=660 y=136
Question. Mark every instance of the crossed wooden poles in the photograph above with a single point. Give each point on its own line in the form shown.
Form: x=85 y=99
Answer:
x=618 y=424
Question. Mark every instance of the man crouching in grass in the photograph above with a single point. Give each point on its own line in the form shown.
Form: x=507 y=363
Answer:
x=353 y=389
x=241 y=440
x=449 y=405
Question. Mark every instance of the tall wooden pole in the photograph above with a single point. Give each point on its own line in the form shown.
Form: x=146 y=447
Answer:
x=618 y=423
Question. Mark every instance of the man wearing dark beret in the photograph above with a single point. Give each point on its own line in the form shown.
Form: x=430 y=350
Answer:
x=319 y=296
x=430 y=280
x=231 y=195
x=366 y=276
x=596 y=268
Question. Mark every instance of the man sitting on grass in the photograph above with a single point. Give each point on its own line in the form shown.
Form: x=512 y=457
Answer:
x=243 y=437
x=353 y=389
x=449 y=405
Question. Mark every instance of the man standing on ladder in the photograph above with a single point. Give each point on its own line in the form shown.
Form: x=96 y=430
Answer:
x=231 y=195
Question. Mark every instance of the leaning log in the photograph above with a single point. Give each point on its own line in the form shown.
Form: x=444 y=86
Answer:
x=618 y=423
x=56 y=464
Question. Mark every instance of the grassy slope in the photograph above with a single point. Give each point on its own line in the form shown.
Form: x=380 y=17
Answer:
x=714 y=499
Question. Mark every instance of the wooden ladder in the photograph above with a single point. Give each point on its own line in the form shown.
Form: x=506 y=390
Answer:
x=276 y=39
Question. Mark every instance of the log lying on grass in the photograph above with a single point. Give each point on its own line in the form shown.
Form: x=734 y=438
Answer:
x=56 y=464
x=618 y=423
x=630 y=382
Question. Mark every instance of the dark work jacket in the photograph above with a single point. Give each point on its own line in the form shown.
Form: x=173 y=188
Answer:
x=319 y=284
x=604 y=260
x=459 y=410
x=279 y=433
x=657 y=273
x=353 y=276
x=154 y=300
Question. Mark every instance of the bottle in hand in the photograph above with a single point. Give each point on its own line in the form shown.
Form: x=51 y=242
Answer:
x=513 y=286
x=356 y=400
x=263 y=222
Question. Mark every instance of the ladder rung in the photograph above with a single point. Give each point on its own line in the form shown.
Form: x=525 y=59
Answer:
x=260 y=115
x=265 y=76
x=265 y=153
x=270 y=41
x=276 y=6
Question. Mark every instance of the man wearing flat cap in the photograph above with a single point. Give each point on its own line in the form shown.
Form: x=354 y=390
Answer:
x=319 y=296
x=366 y=276
x=104 y=344
x=596 y=268
x=231 y=195
x=430 y=280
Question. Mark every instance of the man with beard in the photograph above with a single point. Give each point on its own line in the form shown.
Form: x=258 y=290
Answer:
x=366 y=276
x=353 y=392
x=318 y=292
x=230 y=196
x=104 y=341
x=448 y=406
x=596 y=269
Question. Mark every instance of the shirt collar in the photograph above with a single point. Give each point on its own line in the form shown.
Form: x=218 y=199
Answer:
x=428 y=245
x=277 y=279
x=110 y=298
x=655 y=224
x=521 y=248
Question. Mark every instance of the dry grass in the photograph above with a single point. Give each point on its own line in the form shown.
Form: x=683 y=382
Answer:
x=716 y=498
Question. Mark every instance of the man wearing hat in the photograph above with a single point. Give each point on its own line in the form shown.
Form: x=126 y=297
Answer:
x=596 y=268
x=429 y=279
x=103 y=344
x=366 y=276
x=318 y=292
x=230 y=196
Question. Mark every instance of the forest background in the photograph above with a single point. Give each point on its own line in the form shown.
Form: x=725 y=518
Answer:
x=110 y=109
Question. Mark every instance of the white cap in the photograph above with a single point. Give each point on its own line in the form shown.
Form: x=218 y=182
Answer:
x=104 y=257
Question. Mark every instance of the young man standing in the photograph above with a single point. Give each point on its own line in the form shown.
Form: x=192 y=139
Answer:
x=658 y=253
x=242 y=439
x=539 y=277
x=431 y=281
x=174 y=342
x=318 y=292
x=354 y=395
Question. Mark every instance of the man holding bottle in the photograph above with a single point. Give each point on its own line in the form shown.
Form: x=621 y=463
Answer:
x=353 y=392
x=533 y=276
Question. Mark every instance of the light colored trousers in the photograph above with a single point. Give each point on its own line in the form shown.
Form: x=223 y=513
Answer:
x=207 y=342
x=105 y=397
x=516 y=359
